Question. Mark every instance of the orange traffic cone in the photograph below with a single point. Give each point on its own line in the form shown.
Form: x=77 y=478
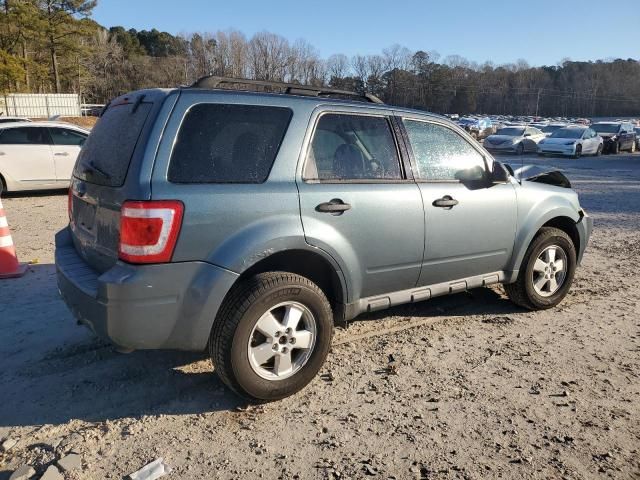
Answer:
x=9 y=265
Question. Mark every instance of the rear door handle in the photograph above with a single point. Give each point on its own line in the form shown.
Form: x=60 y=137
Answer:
x=445 y=202
x=62 y=154
x=334 y=207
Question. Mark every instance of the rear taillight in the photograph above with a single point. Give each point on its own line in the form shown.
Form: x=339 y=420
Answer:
x=70 y=203
x=149 y=230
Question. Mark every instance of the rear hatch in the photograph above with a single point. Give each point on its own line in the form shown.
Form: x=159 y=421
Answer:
x=110 y=169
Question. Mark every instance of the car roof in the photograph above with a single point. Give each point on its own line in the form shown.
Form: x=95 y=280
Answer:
x=43 y=124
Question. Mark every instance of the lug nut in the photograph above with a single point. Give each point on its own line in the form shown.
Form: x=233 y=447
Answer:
x=292 y=340
x=277 y=334
x=288 y=331
x=275 y=347
x=285 y=349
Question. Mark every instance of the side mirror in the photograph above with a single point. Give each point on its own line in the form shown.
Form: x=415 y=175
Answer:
x=473 y=174
x=500 y=173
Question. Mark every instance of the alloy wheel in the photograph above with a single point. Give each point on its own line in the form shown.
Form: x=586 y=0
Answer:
x=282 y=341
x=549 y=271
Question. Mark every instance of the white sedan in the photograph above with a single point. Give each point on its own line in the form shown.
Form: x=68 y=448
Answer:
x=573 y=141
x=38 y=155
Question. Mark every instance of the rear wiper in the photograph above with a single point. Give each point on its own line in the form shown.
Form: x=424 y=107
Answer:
x=96 y=169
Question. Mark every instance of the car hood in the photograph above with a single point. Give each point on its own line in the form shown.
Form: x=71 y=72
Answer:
x=534 y=173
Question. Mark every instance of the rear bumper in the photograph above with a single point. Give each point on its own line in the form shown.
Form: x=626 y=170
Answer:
x=585 y=227
x=170 y=305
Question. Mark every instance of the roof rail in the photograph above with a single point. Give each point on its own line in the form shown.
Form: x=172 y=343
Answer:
x=228 y=83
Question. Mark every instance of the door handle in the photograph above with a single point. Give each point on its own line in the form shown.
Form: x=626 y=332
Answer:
x=62 y=154
x=334 y=207
x=445 y=202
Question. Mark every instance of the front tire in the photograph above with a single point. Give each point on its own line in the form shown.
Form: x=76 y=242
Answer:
x=578 y=152
x=271 y=335
x=599 y=150
x=546 y=273
x=615 y=148
x=520 y=149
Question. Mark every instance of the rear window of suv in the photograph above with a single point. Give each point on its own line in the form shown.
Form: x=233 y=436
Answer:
x=106 y=155
x=224 y=143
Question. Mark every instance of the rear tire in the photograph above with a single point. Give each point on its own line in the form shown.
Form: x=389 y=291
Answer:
x=236 y=337
x=534 y=287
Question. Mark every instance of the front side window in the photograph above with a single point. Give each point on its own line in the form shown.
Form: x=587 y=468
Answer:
x=64 y=136
x=228 y=143
x=352 y=147
x=24 y=136
x=440 y=153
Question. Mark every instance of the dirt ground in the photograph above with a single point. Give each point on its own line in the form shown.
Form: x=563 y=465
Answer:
x=466 y=386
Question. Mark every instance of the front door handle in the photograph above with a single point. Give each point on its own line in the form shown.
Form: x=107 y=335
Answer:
x=445 y=202
x=62 y=154
x=334 y=207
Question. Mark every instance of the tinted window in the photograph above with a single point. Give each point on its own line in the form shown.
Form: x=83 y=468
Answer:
x=24 y=136
x=64 y=136
x=439 y=152
x=352 y=147
x=228 y=143
x=606 y=127
x=568 y=133
x=106 y=154
x=511 y=131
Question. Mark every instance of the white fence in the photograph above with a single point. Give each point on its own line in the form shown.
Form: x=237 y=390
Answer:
x=40 y=105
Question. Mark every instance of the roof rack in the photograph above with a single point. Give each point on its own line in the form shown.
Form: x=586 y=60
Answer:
x=228 y=83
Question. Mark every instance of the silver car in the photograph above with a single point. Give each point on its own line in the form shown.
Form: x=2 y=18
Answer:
x=515 y=139
x=573 y=141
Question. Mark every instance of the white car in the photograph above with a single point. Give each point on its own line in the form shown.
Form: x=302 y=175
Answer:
x=38 y=155
x=573 y=141
x=518 y=139
x=5 y=119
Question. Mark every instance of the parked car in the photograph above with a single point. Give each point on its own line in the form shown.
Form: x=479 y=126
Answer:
x=518 y=139
x=552 y=127
x=617 y=136
x=248 y=223
x=7 y=119
x=38 y=155
x=573 y=141
x=637 y=130
x=478 y=128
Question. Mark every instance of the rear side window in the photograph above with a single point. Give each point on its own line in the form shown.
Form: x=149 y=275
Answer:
x=220 y=143
x=64 y=136
x=106 y=155
x=24 y=136
x=352 y=147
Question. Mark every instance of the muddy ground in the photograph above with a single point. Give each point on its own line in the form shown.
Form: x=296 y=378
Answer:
x=466 y=386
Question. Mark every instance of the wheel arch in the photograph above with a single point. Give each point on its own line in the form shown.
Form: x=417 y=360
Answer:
x=310 y=263
x=562 y=218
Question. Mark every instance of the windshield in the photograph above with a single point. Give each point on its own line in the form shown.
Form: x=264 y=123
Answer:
x=511 y=132
x=551 y=128
x=606 y=127
x=567 y=133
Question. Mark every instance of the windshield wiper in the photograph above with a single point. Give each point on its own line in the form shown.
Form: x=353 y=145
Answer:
x=96 y=169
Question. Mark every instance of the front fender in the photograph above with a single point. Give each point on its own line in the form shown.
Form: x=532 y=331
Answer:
x=532 y=221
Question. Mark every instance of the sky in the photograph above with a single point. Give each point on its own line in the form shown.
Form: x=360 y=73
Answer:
x=542 y=32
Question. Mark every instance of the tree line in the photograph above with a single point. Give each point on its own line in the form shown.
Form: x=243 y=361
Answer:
x=55 y=46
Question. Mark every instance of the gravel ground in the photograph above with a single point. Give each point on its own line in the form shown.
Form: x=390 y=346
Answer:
x=466 y=386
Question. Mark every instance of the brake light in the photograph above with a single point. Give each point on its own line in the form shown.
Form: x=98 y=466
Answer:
x=149 y=230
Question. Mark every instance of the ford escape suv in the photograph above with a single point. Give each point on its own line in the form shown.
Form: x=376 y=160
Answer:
x=247 y=223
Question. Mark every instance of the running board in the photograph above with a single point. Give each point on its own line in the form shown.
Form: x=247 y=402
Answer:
x=419 y=294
